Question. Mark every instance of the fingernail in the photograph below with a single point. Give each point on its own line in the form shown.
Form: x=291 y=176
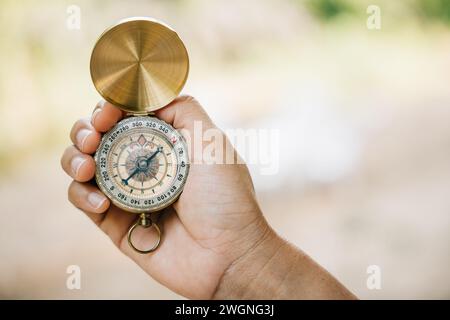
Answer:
x=76 y=164
x=94 y=115
x=82 y=136
x=96 y=200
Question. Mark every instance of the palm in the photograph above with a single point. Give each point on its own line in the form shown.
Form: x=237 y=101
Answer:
x=199 y=229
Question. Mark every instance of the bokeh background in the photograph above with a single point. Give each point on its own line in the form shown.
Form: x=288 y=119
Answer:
x=364 y=120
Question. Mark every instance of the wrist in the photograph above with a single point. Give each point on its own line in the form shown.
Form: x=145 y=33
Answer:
x=275 y=269
x=251 y=275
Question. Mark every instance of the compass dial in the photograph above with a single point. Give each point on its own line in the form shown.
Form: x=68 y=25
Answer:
x=142 y=164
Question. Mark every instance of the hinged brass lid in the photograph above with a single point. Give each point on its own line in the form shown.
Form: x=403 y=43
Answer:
x=139 y=64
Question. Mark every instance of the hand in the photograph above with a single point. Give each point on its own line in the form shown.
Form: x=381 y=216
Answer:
x=217 y=243
x=215 y=220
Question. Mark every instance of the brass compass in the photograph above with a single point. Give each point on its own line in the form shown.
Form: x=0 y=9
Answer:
x=141 y=65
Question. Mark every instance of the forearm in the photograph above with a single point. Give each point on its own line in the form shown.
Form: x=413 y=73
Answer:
x=275 y=269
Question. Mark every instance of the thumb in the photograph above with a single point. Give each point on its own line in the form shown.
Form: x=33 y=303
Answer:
x=183 y=112
x=187 y=116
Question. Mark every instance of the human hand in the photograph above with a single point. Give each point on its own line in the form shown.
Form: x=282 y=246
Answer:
x=217 y=243
x=215 y=222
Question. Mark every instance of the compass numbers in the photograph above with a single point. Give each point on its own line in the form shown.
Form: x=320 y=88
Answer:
x=142 y=164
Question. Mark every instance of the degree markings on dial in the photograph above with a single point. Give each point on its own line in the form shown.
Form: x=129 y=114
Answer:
x=163 y=168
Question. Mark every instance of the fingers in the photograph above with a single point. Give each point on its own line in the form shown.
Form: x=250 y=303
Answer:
x=85 y=133
x=84 y=136
x=80 y=166
x=110 y=219
x=182 y=112
x=105 y=116
x=87 y=197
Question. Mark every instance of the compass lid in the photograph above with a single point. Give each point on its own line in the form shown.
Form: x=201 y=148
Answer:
x=139 y=64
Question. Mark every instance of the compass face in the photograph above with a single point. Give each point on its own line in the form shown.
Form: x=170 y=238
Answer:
x=142 y=164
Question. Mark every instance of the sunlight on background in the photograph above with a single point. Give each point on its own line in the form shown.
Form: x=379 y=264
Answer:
x=363 y=116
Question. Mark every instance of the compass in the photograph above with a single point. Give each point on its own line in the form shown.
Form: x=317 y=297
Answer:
x=140 y=65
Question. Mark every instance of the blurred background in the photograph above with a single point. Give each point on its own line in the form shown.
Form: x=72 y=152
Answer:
x=363 y=116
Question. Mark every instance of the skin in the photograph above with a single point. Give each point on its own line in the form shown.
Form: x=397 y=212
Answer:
x=217 y=244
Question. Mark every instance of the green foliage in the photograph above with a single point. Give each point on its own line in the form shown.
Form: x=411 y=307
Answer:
x=435 y=10
x=328 y=9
